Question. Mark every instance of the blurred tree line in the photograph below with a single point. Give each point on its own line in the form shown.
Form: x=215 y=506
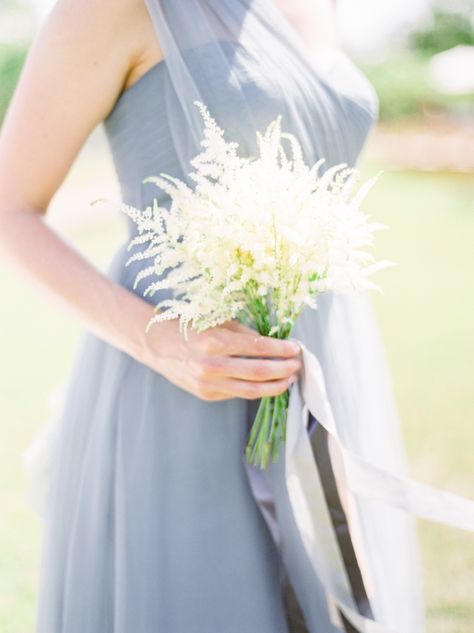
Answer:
x=445 y=30
x=402 y=79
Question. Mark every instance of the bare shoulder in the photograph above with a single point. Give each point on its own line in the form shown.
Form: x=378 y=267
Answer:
x=83 y=56
x=116 y=34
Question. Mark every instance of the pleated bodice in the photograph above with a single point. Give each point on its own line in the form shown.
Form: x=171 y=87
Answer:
x=336 y=105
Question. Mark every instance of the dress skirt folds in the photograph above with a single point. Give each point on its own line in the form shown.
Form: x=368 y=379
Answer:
x=153 y=521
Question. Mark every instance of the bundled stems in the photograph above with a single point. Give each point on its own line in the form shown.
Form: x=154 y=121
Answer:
x=268 y=431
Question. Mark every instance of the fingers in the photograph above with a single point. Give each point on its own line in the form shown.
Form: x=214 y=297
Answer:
x=232 y=387
x=230 y=361
x=252 y=390
x=212 y=396
x=261 y=346
x=224 y=342
x=258 y=370
x=251 y=341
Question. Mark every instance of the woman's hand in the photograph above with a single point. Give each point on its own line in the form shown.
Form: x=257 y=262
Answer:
x=212 y=365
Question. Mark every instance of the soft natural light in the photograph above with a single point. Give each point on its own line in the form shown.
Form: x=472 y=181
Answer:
x=365 y=24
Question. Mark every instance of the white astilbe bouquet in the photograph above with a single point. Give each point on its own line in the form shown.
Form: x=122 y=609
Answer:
x=256 y=239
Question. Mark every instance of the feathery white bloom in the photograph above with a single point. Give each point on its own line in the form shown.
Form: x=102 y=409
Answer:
x=268 y=234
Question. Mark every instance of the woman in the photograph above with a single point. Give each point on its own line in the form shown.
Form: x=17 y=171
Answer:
x=154 y=522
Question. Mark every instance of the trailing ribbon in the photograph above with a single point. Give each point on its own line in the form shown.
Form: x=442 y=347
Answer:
x=307 y=500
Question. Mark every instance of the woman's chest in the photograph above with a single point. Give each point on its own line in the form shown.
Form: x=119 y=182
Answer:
x=330 y=109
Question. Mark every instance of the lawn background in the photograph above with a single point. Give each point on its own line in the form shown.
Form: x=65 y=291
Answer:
x=425 y=314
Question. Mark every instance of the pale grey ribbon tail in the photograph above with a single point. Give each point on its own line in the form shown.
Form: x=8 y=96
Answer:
x=308 y=504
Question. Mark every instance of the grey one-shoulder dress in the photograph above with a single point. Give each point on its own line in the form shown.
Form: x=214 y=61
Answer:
x=152 y=526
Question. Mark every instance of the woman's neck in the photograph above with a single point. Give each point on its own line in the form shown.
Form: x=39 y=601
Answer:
x=313 y=20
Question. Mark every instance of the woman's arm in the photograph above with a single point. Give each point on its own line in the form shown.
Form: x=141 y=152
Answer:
x=73 y=74
x=75 y=70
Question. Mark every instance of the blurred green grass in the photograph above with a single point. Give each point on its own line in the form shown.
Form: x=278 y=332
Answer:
x=426 y=315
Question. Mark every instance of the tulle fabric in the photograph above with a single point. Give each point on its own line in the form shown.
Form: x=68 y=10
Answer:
x=150 y=524
x=260 y=34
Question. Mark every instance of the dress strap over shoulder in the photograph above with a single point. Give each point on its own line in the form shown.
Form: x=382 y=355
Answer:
x=263 y=36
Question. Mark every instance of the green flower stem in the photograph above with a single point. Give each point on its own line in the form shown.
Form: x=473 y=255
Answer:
x=274 y=431
x=263 y=431
x=268 y=431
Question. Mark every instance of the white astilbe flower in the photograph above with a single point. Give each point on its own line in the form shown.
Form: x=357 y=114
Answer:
x=256 y=239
